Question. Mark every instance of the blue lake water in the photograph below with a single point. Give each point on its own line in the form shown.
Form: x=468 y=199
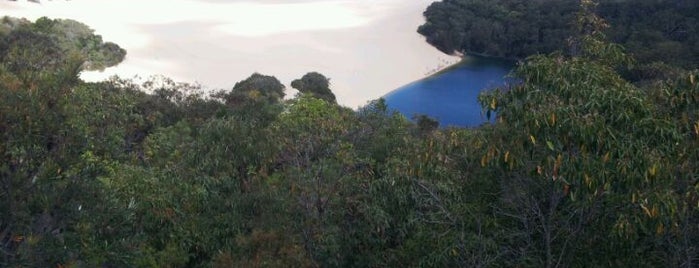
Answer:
x=451 y=96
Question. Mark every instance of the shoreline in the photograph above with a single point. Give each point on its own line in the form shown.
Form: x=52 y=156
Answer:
x=375 y=52
x=468 y=58
x=484 y=55
x=462 y=60
x=439 y=72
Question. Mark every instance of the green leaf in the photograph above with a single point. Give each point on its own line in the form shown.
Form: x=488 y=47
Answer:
x=550 y=145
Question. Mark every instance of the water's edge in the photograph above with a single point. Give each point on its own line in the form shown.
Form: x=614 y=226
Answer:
x=451 y=95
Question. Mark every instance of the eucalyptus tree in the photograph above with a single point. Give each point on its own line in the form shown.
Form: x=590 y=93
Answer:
x=586 y=158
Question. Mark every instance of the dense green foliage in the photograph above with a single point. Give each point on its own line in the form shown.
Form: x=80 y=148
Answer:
x=315 y=84
x=24 y=42
x=582 y=169
x=651 y=30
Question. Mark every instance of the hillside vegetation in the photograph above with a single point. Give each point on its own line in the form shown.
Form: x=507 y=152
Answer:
x=651 y=30
x=581 y=169
x=48 y=42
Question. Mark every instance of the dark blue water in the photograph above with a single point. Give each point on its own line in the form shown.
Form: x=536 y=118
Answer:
x=451 y=97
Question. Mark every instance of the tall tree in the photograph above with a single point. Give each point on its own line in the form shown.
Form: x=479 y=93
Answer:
x=258 y=87
x=315 y=84
x=592 y=161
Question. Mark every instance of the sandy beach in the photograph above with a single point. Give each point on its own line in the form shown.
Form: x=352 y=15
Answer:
x=366 y=47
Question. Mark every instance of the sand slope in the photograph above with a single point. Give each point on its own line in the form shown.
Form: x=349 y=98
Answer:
x=366 y=47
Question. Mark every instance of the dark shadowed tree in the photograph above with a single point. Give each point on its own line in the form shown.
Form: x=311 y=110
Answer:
x=425 y=124
x=651 y=30
x=258 y=88
x=315 y=84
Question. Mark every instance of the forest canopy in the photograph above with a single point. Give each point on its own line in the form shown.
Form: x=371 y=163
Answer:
x=582 y=168
x=651 y=30
x=64 y=37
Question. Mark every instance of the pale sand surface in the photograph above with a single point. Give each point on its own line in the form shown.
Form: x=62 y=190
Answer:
x=367 y=47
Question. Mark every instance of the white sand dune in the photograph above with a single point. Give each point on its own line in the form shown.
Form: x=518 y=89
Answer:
x=367 y=47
